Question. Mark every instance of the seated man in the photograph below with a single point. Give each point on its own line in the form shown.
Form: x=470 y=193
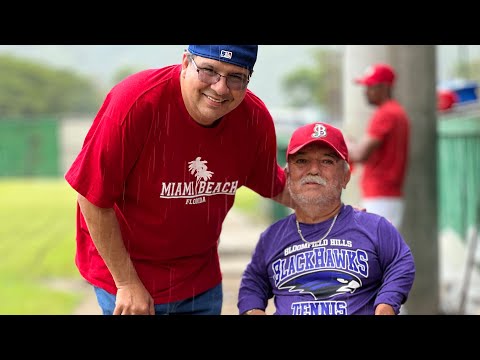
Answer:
x=326 y=258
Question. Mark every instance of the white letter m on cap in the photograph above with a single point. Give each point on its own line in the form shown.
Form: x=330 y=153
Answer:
x=226 y=54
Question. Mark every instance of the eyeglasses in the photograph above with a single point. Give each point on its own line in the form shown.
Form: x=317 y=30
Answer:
x=209 y=76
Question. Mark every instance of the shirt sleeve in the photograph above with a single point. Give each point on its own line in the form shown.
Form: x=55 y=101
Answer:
x=267 y=177
x=397 y=263
x=255 y=289
x=109 y=152
x=380 y=125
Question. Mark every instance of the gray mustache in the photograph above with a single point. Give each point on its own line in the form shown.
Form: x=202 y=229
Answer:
x=313 y=179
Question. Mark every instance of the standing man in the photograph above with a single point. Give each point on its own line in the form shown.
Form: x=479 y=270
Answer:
x=327 y=258
x=384 y=148
x=157 y=175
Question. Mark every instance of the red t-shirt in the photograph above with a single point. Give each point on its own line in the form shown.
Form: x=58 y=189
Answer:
x=170 y=181
x=385 y=170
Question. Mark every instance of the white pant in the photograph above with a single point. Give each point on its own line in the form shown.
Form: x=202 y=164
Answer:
x=390 y=208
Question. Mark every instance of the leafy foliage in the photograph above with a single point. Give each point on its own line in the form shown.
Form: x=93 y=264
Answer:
x=468 y=70
x=319 y=84
x=29 y=89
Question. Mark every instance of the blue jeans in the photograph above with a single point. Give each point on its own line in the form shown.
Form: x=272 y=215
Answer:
x=206 y=303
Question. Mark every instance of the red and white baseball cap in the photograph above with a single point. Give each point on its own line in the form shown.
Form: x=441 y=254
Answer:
x=321 y=132
x=377 y=74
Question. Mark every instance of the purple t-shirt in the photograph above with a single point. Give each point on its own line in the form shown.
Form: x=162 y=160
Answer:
x=364 y=261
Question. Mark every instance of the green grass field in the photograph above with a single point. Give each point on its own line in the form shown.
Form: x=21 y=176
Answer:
x=37 y=245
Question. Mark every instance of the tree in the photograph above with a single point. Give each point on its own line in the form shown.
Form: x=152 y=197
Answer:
x=468 y=70
x=30 y=89
x=318 y=85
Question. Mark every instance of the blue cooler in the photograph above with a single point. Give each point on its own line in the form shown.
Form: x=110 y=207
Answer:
x=467 y=93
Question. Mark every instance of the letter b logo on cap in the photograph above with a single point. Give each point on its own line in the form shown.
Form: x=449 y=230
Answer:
x=319 y=131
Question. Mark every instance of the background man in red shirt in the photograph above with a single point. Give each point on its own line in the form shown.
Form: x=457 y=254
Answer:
x=384 y=148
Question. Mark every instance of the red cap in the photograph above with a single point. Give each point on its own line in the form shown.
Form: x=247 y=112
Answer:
x=321 y=132
x=376 y=74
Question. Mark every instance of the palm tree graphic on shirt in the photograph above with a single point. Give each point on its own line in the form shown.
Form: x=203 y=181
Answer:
x=199 y=168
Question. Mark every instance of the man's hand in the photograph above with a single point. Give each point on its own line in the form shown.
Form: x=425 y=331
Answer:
x=133 y=299
x=384 y=309
x=254 y=312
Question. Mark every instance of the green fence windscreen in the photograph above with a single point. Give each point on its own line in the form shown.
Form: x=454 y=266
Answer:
x=29 y=147
x=459 y=172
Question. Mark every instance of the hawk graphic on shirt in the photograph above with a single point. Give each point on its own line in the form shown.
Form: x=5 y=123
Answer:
x=323 y=284
x=199 y=168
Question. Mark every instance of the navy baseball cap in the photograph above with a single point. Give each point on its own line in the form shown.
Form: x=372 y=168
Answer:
x=240 y=55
